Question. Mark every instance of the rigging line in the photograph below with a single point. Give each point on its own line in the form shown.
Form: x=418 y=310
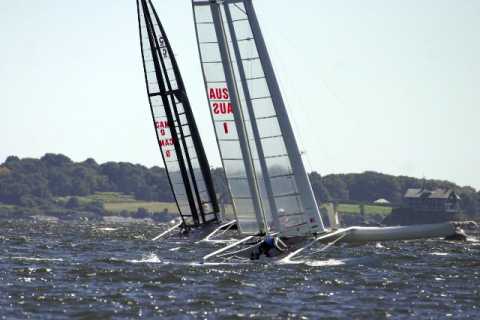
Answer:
x=340 y=233
x=212 y=234
x=253 y=123
x=245 y=146
x=226 y=229
x=236 y=6
x=280 y=69
x=183 y=100
x=287 y=94
x=168 y=231
x=328 y=245
x=230 y=246
x=144 y=47
x=241 y=250
x=242 y=260
x=159 y=64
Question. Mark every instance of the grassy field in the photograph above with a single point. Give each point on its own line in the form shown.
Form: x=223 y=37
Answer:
x=6 y=206
x=116 y=202
x=369 y=209
x=134 y=206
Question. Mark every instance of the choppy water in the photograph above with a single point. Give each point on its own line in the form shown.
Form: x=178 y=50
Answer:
x=103 y=271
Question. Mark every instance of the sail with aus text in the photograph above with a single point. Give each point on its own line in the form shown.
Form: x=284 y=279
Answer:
x=265 y=172
x=178 y=137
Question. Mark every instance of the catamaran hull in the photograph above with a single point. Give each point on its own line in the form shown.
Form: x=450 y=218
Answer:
x=426 y=231
x=358 y=235
x=290 y=247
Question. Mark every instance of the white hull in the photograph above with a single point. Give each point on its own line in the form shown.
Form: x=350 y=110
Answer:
x=297 y=245
x=426 y=231
x=377 y=234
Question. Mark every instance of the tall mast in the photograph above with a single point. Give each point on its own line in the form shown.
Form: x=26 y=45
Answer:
x=228 y=118
x=179 y=140
x=238 y=117
x=234 y=59
x=303 y=183
x=251 y=114
x=197 y=142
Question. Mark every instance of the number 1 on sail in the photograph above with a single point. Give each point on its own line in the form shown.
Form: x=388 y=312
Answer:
x=225 y=127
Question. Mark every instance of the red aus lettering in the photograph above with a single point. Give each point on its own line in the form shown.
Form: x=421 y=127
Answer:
x=222 y=108
x=218 y=94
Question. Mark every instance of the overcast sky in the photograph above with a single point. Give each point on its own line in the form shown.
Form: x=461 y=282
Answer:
x=390 y=86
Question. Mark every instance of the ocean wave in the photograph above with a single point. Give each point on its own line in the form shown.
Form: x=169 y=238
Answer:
x=107 y=229
x=38 y=259
x=149 y=258
x=439 y=254
x=325 y=263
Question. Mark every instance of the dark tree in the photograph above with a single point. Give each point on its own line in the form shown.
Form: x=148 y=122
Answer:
x=141 y=213
x=336 y=186
x=371 y=186
x=73 y=203
x=35 y=182
x=321 y=193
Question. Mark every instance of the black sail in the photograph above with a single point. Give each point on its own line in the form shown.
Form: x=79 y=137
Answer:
x=177 y=134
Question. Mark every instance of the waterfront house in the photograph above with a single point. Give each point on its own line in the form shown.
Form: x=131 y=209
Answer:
x=442 y=200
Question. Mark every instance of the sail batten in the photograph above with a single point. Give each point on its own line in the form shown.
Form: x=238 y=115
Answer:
x=251 y=121
x=178 y=138
x=246 y=195
x=254 y=125
x=312 y=214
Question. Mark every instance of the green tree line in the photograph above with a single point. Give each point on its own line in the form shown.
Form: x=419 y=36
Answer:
x=27 y=182
x=370 y=186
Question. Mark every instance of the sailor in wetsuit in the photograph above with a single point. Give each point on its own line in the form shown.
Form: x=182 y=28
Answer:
x=268 y=244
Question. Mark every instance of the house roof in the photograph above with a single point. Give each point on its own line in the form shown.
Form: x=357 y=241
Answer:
x=435 y=194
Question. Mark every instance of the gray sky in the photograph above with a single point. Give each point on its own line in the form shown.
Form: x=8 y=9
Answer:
x=390 y=86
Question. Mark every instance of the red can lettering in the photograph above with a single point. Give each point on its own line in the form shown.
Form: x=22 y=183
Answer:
x=161 y=124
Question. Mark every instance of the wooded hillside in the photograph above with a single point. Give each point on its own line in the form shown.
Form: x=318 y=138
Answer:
x=29 y=182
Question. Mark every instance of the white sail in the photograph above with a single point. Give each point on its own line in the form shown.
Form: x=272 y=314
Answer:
x=262 y=161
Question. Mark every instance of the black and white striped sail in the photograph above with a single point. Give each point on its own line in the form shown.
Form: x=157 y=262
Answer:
x=265 y=172
x=176 y=131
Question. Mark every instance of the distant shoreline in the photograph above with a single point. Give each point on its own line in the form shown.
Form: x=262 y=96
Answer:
x=56 y=186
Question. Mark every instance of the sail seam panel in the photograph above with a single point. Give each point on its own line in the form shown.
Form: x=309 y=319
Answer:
x=204 y=177
x=206 y=82
x=162 y=82
x=232 y=88
x=278 y=103
x=269 y=205
x=142 y=44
